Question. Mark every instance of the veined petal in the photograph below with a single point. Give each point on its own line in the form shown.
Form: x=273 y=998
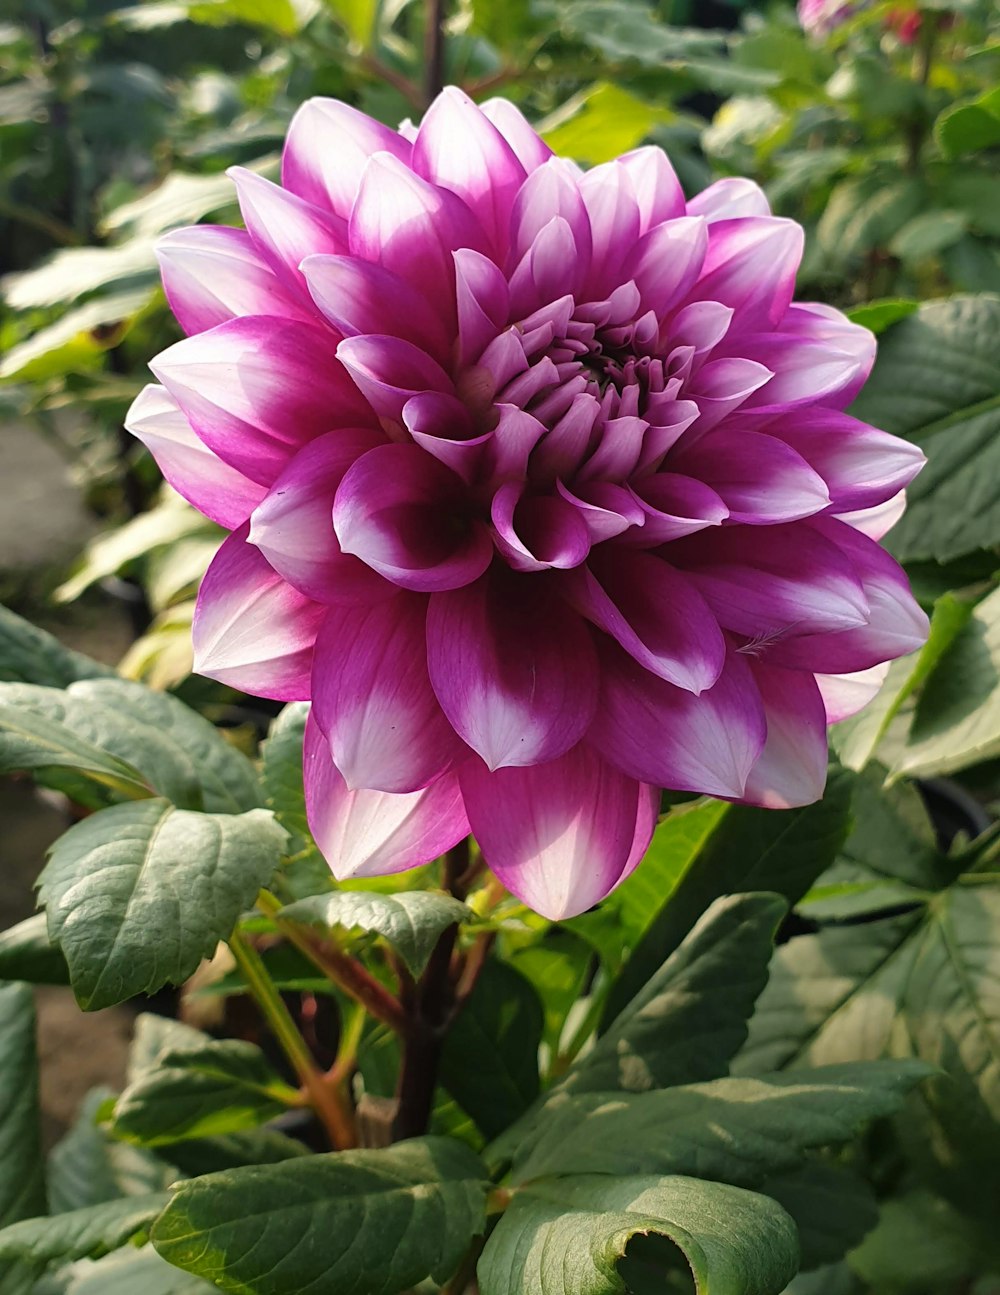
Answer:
x=212 y=273
x=257 y=389
x=403 y=513
x=750 y=264
x=613 y=211
x=373 y=699
x=654 y=612
x=671 y=738
x=814 y=321
x=367 y=833
x=791 y=769
x=284 y=227
x=483 y=304
x=558 y=835
x=293 y=525
x=514 y=669
x=253 y=630
x=389 y=371
x=217 y=490
x=327 y=146
x=666 y=262
x=760 y=479
x=528 y=146
x=551 y=190
x=658 y=191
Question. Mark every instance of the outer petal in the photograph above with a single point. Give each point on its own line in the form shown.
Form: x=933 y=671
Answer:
x=658 y=191
x=751 y=265
x=401 y=511
x=327 y=146
x=293 y=525
x=215 y=489
x=251 y=629
x=668 y=737
x=257 y=389
x=460 y=148
x=816 y=322
x=791 y=769
x=729 y=199
x=284 y=227
x=211 y=273
x=515 y=670
x=877 y=522
x=760 y=479
x=845 y=694
x=369 y=833
x=558 y=835
x=529 y=147
x=373 y=699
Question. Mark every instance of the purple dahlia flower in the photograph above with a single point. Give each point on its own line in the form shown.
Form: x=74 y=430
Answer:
x=540 y=489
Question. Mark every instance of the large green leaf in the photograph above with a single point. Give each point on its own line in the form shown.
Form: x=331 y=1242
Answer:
x=27 y=954
x=376 y=1222
x=571 y=1236
x=79 y=1234
x=733 y=1130
x=22 y=1181
x=750 y=849
x=129 y=1272
x=138 y=894
x=175 y=752
x=832 y=1207
x=412 y=921
x=221 y=1086
x=937 y=381
x=29 y=655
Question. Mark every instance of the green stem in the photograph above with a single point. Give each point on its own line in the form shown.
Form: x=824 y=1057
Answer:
x=324 y=1099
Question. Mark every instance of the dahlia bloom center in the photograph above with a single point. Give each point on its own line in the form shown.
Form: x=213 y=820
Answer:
x=540 y=490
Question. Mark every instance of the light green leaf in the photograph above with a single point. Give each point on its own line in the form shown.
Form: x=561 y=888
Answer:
x=878 y=315
x=220 y=1086
x=131 y=1272
x=30 y=655
x=72 y=272
x=181 y=199
x=969 y=127
x=80 y=1234
x=572 y=1235
x=601 y=123
x=372 y=1221
x=75 y=342
x=26 y=954
x=937 y=382
x=412 y=921
x=734 y=1130
x=139 y=893
x=22 y=1181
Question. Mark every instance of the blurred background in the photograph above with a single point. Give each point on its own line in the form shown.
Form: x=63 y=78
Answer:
x=876 y=125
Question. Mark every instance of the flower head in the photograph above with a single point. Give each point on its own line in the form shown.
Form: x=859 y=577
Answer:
x=540 y=489
x=821 y=17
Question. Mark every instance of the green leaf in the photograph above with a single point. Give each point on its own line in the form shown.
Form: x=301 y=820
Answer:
x=927 y=234
x=750 y=849
x=138 y=894
x=132 y=1272
x=72 y=272
x=920 y=1243
x=969 y=127
x=26 y=954
x=29 y=655
x=113 y=729
x=412 y=921
x=80 y=1234
x=77 y=341
x=234 y=1151
x=86 y=1167
x=22 y=1181
x=490 y=1058
x=937 y=382
x=878 y=315
x=957 y=720
x=572 y=1235
x=626 y=30
x=281 y=771
x=865 y=212
x=601 y=123
x=733 y=1130
x=833 y=1209
x=372 y=1221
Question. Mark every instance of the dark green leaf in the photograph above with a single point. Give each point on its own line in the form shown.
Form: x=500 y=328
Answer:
x=571 y=1236
x=138 y=894
x=80 y=1234
x=22 y=1182
x=29 y=655
x=130 y=1272
x=372 y=1221
x=26 y=954
x=234 y=1151
x=920 y=1243
x=832 y=1207
x=412 y=921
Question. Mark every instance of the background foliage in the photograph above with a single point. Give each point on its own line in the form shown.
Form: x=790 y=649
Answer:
x=602 y=1067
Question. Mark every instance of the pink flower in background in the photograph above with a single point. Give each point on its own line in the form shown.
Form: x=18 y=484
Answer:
x=540 y=489
x=820 y=17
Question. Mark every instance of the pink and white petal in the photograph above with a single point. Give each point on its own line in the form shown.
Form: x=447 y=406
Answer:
x=373 y=699
x=403 y=513
x=388 y=371
x=257 y=389
x=613 y=211
x=528 y=146
x=817 y=322
x=722 y=386
x=767 y=582
x=252 y=630
x=666 y=262
x=671 y=738
x=326 y=148
x=537 y=532
x=845 y=694
x=674 y=506
x=751 y=265
x=759 y=478
x=658 y=191
x=806 y=373
x=216 y=489
x=654 y=612
x=607 y=510
x=550 y=191
x=514 y=669
x=443 y=427
x=730 y=199
x=483 y=304
x=361 y=297
x=212 y=273
x=285 y=228
x=460 y=148
x=367 y=833
x=412 y=227
x=878 y=521
x=549 y=269
x=293 y=525
x=791 y=769
x=645 y=826
x=861 y=465
x=558 y=835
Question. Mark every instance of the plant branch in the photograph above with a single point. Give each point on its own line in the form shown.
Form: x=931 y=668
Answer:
x=329 y=1105
x=434 y=16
